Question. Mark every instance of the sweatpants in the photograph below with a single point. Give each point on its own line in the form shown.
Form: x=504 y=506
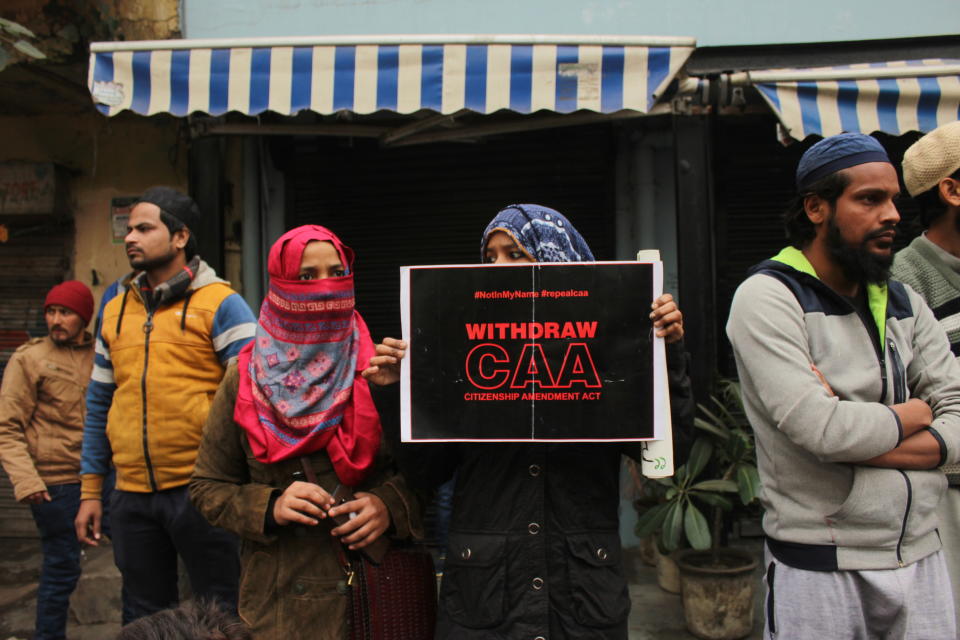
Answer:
x=911 y=603
x=948 y=515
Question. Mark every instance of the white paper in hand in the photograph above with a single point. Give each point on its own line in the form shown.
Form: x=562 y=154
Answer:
x=658 y=454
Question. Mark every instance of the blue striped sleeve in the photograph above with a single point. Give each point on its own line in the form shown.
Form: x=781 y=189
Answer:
x=233 y=327
x=108 y=294
x=96 y=454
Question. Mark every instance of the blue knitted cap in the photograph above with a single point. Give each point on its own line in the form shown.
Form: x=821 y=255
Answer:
x=835 y=153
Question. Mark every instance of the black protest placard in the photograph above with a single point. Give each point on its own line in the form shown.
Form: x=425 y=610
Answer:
x=533 y=352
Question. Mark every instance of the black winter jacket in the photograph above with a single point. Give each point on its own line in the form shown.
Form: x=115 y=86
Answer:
x=534 y=545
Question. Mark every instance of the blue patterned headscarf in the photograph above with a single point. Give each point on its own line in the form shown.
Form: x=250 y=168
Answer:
x=544 y=234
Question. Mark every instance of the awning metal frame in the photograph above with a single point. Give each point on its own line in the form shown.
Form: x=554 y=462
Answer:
x=423 y=131
x=745 y=78
x=432 y=39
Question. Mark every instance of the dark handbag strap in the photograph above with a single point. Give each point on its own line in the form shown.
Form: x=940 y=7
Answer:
x=342 y=557
x=308 y=471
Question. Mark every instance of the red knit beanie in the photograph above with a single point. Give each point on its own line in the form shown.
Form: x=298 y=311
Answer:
x=73 y=295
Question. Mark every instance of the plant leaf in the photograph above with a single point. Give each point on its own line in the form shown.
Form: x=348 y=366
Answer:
x=716 y=485
x=707 y=412
x=730 y=390
x=696 y=527
x=748 y=483
x=699 y=457
x=651 y=519
x=680 y=476
x=28 y=49
x=673 y=526
x=16 y=28
x=709 y=427
x=723 y=407
x=736 y=446
x=714 y=499
x=718 y=423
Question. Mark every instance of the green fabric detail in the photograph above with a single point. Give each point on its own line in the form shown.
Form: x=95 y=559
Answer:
x=793 y=257
x=876 y=293
x=877 y=301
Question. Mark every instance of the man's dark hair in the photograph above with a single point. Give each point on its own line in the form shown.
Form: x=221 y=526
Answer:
x=190 y=621
x=931 y=206
x=800 y=231
x=175 y=224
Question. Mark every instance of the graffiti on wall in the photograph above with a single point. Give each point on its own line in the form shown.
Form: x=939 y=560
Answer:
x=27 y=188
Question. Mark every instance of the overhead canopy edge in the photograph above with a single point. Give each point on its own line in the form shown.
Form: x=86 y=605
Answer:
x=429 y=39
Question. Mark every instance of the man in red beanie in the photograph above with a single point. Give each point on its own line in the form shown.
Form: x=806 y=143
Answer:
x=41 y=427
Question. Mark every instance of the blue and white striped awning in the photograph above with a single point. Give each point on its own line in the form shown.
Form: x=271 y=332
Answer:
x=893 y=97
x=397 y=73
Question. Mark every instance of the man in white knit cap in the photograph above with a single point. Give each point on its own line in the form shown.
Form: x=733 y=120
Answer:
x=931 y=265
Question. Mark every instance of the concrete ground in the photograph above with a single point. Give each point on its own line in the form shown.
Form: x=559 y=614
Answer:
x=95 y=606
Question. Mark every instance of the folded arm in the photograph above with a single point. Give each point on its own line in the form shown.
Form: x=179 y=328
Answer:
x=769 y=335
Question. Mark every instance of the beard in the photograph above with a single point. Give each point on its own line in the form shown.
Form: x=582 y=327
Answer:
x=857 y=262
x=62 y=337
x=142 y=263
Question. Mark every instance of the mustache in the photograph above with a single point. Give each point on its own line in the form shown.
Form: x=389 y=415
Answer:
x=880 y=232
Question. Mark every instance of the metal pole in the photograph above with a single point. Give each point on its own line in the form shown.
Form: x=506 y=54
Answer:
x=251 y=250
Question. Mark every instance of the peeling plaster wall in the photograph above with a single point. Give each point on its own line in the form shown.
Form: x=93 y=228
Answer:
x=63 y=27
x=106 y=159
x=146 y=19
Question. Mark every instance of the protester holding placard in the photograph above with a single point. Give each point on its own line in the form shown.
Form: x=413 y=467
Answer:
x=295 y=408
x=534 y=545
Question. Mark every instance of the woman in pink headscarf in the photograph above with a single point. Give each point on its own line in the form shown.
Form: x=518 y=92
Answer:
x=292 y=420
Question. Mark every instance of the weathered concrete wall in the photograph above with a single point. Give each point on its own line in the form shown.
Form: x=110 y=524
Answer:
x=121 y=19
x=146 y=19
x=64 y=27
x=106 y=158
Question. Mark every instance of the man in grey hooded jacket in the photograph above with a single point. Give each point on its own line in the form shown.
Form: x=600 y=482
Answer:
x=854 y=396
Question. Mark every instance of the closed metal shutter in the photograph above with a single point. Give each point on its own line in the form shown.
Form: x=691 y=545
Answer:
x=35 y=258
x=429 y=204
x=755 y=181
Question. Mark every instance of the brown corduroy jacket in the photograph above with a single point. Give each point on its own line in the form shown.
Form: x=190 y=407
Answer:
x=42 y=406
x=292 y=583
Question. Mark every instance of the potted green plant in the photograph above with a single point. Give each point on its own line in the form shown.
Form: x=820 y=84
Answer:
x=720 y=477
x=646 y=494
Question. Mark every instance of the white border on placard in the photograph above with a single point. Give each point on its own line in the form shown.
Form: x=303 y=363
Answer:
x=658 y=353
x=406 y=409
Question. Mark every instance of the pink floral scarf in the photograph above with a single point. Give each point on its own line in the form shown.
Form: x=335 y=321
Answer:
x=300 y=384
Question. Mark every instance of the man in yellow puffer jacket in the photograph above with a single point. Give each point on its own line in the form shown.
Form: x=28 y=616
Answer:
x=163 y=344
